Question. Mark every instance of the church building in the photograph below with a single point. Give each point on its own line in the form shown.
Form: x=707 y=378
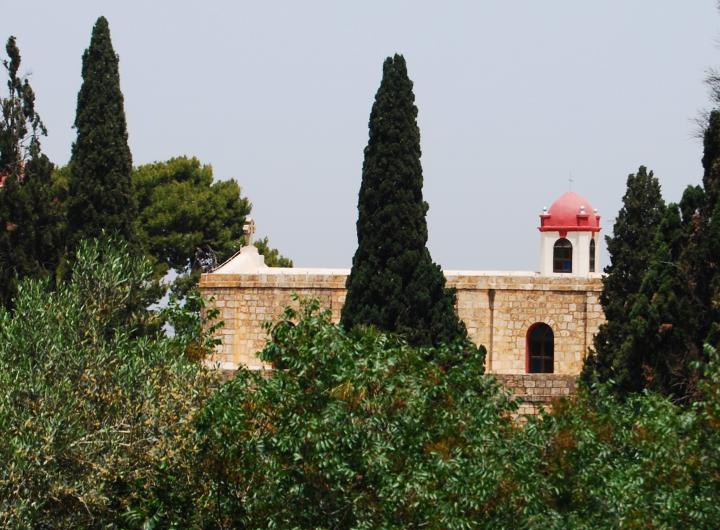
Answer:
x=537 y=326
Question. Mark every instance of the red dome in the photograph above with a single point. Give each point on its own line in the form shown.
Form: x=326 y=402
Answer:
x=570 y=213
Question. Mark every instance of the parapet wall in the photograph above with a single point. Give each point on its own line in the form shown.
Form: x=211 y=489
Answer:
x=247 y=301
x=498 y=308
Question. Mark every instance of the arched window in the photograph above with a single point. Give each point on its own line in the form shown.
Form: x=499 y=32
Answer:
x=592 y=255
x=540 y=349
x=562 y=256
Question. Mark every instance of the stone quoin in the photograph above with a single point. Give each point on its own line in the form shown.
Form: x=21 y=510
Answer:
x=537 y=326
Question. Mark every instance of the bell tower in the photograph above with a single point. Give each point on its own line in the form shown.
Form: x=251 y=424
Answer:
x=569 y=243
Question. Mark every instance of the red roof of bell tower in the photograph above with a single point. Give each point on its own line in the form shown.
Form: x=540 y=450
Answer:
x=570 y=213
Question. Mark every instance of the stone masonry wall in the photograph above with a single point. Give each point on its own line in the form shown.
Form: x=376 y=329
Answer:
x=247 y=301
x=537 y=390
x=497 y=308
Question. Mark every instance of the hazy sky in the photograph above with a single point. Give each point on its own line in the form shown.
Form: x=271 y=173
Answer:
x=513 y=97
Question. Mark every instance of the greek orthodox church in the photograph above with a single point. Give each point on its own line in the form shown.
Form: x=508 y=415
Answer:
x=536 y=326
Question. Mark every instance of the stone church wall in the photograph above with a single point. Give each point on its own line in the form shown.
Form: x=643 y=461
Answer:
x=497 y=308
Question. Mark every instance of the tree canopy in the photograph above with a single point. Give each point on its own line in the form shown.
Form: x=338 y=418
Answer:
x=182 y=211
x=31 y=217
x=358 y=431
x=100 y=195
x=394 y=284
x=101 y=428
x=91 y=415
x=666 y=314
x=709 y=260
x=272 y=256
x=188 y=221
x=662 y=300
x=631 y=248
x=677 y=311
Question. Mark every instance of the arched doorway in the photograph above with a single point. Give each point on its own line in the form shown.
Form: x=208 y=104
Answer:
x=540 y=349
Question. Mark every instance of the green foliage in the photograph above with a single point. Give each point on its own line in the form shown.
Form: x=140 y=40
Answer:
x=616 y=357
x=100 y=190
x=666 y=312
x=711 y=157
x=21 y=127
x=659 y=334
x=31 y=217
x=708 y=266
x=101 y=429
x=676 y=310
x=96 y=422
x=358 y=430
x=661 y=300
x=273 y=258
x=393 y=284
x=712 y=233
x=639 y=463
x=183 y=212
x=188 y=222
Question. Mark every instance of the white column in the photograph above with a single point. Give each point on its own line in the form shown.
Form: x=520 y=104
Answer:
x=583 y=254
x=597 y=254
x=547 y=245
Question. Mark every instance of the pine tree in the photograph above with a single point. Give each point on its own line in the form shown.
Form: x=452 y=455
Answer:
x=394 y=284
x=630 y=249
x=100 y=189
x=31 y=220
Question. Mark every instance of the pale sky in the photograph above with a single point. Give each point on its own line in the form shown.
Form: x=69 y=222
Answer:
x=514 y=96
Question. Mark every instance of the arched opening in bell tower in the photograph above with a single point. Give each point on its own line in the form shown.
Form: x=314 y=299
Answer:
x=562 y=256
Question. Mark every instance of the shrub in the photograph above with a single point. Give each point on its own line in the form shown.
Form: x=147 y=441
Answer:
x=359 y=430
x=642 y=463
x=96 y=421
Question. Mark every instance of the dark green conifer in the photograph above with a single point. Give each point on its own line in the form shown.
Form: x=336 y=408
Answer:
x=394 y=284
x=630 y=248
x=667 y=315
x=711 y=157
x=31 y=219
x=100 y=188
x=708 y=260
x=677 y=309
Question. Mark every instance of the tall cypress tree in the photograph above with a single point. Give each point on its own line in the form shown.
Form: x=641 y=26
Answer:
x=394 y=284
x=31 y=220
x=631 y=249
x=100 y=188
